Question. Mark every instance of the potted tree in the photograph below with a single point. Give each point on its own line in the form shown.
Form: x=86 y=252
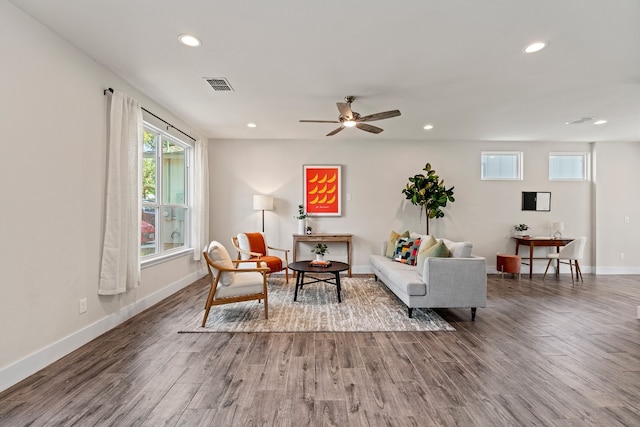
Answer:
x=428 y=192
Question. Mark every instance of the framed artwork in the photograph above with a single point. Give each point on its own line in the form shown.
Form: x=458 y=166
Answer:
x=536 y=201
x=322 y=189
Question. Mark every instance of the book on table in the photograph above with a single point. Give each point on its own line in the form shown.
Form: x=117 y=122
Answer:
x=319 y=263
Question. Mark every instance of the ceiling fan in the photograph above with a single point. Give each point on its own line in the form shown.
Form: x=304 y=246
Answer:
x=349 y=118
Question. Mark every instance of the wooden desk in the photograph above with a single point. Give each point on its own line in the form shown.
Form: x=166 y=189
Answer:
x=534 y=242
x=323 y=238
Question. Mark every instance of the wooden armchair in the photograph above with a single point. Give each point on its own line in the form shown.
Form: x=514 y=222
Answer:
x=253 y=246
x=231 y=281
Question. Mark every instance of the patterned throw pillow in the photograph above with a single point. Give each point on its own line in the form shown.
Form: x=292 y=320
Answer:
x=391 y=243
x=406 y=251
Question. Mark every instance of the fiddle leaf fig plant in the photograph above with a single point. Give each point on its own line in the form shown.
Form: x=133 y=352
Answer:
x=428 y=192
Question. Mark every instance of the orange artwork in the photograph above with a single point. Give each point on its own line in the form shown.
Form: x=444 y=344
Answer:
x=322 y=191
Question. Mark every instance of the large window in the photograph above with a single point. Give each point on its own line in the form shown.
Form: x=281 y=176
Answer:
x=501 y=165
x=568 y=166
x=165 y=209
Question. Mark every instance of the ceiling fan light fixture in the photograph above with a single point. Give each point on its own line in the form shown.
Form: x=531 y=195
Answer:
x=535 y=47
x=251 y=125
x=189 y=40
x=428 y=127
x=600 y=122
x=349 y=123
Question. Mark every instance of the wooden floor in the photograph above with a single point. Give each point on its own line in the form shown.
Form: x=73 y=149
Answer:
x=540 y=353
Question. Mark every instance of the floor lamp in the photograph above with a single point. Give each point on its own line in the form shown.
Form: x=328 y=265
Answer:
x=262 y=202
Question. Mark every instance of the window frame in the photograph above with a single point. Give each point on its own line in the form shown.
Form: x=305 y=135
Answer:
x=520 y=165
x=586 y=165
x=161 y=254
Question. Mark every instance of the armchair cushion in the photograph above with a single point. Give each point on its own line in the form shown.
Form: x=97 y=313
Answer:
x=244 y=283
x=219 y=255
x=253 y=242
x=256 y=243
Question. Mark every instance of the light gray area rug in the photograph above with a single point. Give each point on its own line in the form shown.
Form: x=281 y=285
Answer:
x=367 y=306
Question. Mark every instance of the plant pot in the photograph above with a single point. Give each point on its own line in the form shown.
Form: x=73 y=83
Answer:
x=319 y=257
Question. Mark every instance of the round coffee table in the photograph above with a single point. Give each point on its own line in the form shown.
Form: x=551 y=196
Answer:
x=304 y=267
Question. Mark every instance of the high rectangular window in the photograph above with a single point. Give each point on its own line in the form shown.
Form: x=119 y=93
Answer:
x=165 y=209
x=501 y=165
x=568 y=166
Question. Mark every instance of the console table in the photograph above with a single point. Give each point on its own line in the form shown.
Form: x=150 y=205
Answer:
x=323 y=238
x=533 y=242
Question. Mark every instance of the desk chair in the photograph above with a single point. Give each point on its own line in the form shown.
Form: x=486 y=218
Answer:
x=573 y=251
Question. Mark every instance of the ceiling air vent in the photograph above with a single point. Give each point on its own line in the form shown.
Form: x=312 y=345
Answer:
x=579 y=121
x=219 y=84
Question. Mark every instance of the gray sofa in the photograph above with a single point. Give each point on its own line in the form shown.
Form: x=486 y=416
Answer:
x=458 y=281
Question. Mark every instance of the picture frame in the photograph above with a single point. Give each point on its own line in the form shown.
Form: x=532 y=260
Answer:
x=536 y=201
x=322 y=190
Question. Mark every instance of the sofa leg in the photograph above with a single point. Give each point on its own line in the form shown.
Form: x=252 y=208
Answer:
x=473 y=314
x=375 y=278
x=410 y=311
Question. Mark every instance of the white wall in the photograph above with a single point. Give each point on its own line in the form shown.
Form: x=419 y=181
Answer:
x=617 y=181
x=374 y=173
x=52 y=179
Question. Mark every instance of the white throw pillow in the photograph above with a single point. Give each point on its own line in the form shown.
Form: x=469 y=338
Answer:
x=243 y=243
x=218 y=254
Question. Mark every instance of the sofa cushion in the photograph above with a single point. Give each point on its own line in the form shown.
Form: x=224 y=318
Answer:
x=391 y=244
x=426 y=242
x=459 y=249
x=406 y=250
x=438 y=250
x=425 y=245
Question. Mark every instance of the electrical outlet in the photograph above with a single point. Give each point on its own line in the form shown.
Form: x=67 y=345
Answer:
x=82 y=305
x=626 y=220
x=621 y=255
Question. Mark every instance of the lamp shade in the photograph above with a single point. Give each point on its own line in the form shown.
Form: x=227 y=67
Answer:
x=558 y=226
x=262 y=202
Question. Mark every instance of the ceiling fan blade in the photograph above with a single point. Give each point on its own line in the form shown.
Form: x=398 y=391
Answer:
x=333 y=132
x=345 y=110
x=319 y=121
x=368 y=128
x=380 y=116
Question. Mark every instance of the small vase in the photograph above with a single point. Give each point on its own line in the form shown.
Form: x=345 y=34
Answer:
x=319 y=257
x=301 y=226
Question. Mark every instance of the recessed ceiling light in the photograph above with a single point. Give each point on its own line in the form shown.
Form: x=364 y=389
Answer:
x=600 y=122
x=251 y=125
x=189 y=40
x=427 y=127
x=535 y=47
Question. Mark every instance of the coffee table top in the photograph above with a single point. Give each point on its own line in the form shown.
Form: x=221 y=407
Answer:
x=304 y=266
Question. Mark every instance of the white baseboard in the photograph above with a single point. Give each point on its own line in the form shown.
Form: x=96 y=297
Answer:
x=29 y=365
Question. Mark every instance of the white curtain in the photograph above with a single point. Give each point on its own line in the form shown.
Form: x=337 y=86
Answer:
x=200 y=215
x=120 y=268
